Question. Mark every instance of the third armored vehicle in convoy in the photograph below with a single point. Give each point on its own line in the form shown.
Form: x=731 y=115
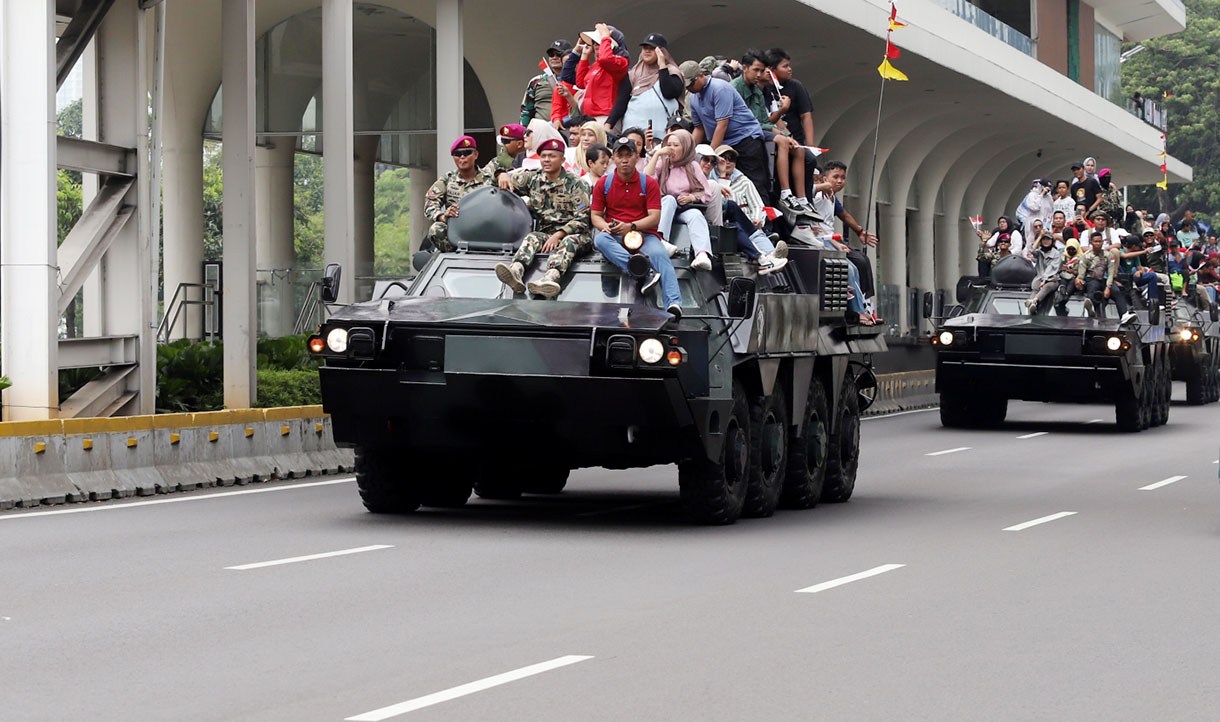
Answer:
x=990 y=349
x=1194 y=354
x=450 y=382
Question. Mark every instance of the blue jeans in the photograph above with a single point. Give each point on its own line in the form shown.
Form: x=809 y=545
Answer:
x=1148 y=278
x=612 y=248
x=751 y=239
x=696 y=224
x=856 y=302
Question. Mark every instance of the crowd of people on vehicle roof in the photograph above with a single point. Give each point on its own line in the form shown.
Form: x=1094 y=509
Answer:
x=1082 y=240
x=608 y=148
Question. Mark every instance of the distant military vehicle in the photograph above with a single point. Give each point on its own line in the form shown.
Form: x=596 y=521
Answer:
x=1195 y=351
x=990 y=349
x=449 y=382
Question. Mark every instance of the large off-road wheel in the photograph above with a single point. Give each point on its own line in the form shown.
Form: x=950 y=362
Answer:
x=955 y=411
x=843 y=458
x=446 y=493
x=503 y=486
x=383 y=482
x=1163 y=387
x=547 y=480
x=990 y=411
x=713 y=492
x=1127 y=410
x=768 y=453
x=807 y=449
x=1195 y=392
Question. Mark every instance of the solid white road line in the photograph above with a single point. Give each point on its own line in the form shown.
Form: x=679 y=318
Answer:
x=849 y=579
x=898 y=413
x=1036 y=522
x=949 y=451
x=310 y=557
x=1034 y=435
x=1162 y=482
x=118 y=504
x=470 y=688
x=1093 y=421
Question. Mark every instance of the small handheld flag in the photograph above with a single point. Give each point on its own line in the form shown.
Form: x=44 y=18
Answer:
x=771 y=213
x=976 y=222
x=815 y=150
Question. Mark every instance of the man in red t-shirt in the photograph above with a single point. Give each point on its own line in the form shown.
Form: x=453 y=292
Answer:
x=633 y=203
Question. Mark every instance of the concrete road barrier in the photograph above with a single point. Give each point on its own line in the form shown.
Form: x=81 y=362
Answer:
x=904 y=391
x=73 y=460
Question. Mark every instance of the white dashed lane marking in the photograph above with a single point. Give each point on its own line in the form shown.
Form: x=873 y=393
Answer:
x=849 y=579
x=411 y=705
x=949 y=451
x=310 y=557
x=1034 y=435
x=1162 y=482
x=1041 y=520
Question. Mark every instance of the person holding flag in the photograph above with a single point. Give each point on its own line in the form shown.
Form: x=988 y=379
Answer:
x=541 y=88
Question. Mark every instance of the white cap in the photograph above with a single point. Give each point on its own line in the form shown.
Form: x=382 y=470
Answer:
x=703 y=150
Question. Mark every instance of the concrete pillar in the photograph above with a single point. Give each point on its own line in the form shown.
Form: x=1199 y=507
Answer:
x=93 y=305
x=337 y=143
x=128 y=278
x=450 y=75
x=182 y=209
x=421 y=179
x=240 y=325
x=29 y=323
x=894 y=257
x=275 y=249
x=363 y=197
x=920 y=254
x=948 y=250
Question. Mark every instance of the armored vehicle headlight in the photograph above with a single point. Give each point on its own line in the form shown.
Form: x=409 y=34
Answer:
x=316 y=344
x=1187 y=334
x=1114 y=343
x=633 y=240
x=337 y=340
x=946 y=338
x=651 y=351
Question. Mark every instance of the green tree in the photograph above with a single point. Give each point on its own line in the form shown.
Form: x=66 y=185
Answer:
x=213 y=201
x=68 y=201
x=70 y=120
x=392 y=221
x=307 y=209
x=1183 y=72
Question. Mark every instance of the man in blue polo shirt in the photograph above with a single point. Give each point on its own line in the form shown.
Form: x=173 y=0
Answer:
x=627 y=201
x=721 y=117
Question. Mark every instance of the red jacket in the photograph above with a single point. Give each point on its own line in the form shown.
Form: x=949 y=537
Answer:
x=602 y=80
x=560 y=108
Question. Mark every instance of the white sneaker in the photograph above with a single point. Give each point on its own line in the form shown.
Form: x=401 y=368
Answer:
x=770 y=264
x=670 y=248
x=702 y=262
x=781 y=249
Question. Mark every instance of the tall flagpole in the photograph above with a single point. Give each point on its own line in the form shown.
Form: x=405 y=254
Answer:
x=887 y=72
x=872 y=175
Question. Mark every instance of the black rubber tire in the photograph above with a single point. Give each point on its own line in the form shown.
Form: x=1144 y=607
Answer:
x=991 y=411
x=1147 y=399
x=1160 y=407
x=1127 y=410
x=768 y=453
x=955 y=411
x=1194 y=388
x=382 y=482
x=843 y=458
x=714 y=492
x=549 y=480
x=498 y=487
x=452 y=494
x=807 y=448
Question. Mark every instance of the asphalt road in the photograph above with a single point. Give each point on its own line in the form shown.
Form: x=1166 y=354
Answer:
x=603 y=604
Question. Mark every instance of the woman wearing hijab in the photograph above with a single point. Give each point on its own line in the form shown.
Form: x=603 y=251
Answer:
x=590 y=134
x=656 y=85
x=536 y=133
x=686 y=193
x=1090 y=167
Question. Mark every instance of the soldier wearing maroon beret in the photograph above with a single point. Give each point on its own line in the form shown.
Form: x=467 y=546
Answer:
x=559 y=203
x=441 y=200
x=512 y=146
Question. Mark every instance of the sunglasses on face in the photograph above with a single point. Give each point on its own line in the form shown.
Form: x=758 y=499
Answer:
x=462 y=153
x=554 y=54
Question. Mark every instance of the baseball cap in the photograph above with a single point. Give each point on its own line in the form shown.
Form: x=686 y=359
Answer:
x=1077 y=166
x=563 y=47
x=624 y=143
x=690 y=70
x=656 y=40
x=1149 y=232
x=704 y=150
x=726 y=151
x=708 y=64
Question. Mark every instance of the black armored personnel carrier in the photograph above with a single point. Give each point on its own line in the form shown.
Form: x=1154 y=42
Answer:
x=990 y=349
x=449 y=382
x=1194 y=353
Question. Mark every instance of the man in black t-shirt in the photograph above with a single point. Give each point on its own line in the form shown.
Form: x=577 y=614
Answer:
x=797 y=117
x=1085 y=190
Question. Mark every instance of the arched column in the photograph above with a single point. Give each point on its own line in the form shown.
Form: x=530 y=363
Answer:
x=363 y=190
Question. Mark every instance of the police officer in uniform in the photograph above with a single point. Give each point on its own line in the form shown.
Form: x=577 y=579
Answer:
x=441 y=201
x=559 y=203
x=512 y=143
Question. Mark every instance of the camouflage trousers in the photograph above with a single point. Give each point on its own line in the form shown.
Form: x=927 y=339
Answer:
x=559 y=260
x=438 y=236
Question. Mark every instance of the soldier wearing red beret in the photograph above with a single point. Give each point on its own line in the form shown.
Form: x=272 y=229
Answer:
x=441 y=201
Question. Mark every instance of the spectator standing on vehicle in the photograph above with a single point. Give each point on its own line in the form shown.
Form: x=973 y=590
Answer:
x=1111 y=198
x=1188 y=235
x=1063 y=200
x=753 y=85
x=601 y=72
x=441 y=200
x=627 y=201
x=559 y=204
x=1085 y=190
x=797 y=116
x=720 y=117
x=541 y=88
x=656 y=88
x=1059 y=228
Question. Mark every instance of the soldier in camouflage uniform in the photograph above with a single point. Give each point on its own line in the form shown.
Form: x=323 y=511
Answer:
x=441 y=201
x=512 y=142
x=559 y=203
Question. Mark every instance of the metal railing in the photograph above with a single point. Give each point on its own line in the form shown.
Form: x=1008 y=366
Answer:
x=1150 y=112
x=988 y=23
x=179 y=301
